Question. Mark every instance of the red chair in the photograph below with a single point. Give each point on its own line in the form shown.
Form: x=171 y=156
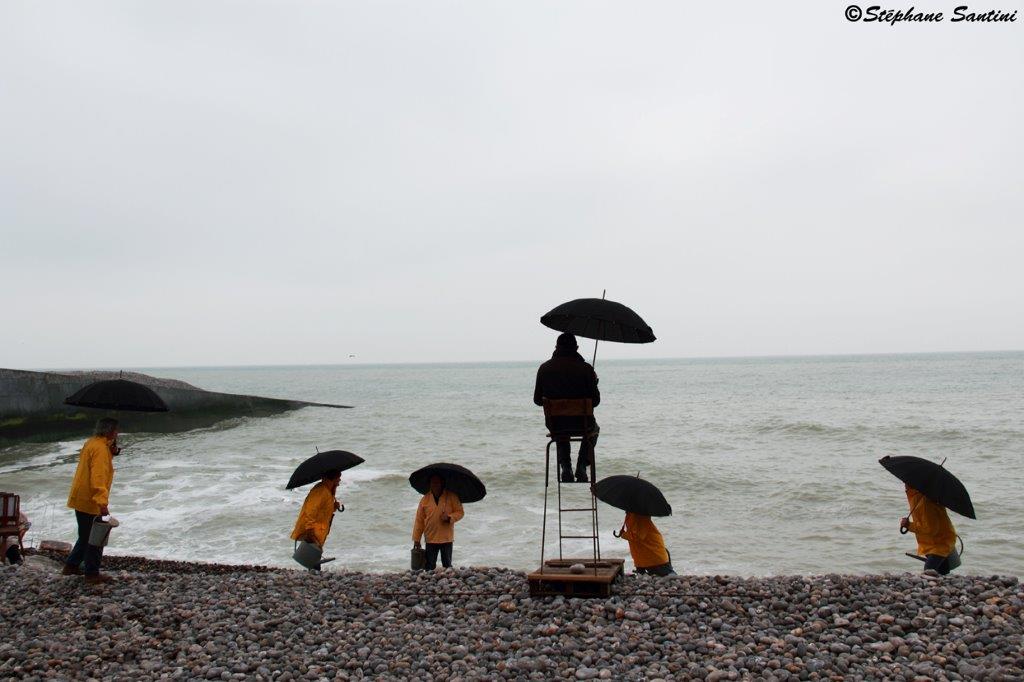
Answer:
x=10 y=521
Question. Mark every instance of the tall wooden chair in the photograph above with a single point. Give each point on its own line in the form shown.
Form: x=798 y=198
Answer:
x=10 y=520
x=583 y=409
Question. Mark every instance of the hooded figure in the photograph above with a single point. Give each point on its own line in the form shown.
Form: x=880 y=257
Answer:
x=565 y=376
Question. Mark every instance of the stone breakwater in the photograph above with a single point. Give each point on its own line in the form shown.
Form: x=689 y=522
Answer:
x=32 y=405
x=193 y=621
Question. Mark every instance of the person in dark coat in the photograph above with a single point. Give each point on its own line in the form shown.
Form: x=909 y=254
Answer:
x=567 y=375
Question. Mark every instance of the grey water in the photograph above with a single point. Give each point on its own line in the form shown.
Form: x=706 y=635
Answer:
x=770 y=464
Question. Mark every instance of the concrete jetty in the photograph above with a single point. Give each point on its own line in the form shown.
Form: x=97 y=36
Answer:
x=32 y=405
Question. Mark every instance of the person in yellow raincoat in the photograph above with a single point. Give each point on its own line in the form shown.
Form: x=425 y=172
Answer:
x=435 y=518
x=936 y=536
x=646 y=545
x=89 y=497
x=314 y=522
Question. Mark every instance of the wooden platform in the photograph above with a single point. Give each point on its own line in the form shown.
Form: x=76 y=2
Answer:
x=554 y=578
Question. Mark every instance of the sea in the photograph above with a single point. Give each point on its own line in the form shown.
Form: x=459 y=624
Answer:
x=770 y=464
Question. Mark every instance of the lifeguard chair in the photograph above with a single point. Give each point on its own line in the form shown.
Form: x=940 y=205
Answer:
x=555 y=576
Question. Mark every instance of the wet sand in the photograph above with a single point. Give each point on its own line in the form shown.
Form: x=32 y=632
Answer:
x=178 y=620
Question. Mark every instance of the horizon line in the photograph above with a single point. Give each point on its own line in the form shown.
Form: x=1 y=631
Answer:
x=532 y=360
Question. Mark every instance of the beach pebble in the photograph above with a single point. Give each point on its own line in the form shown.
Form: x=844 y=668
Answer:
x=202 y=621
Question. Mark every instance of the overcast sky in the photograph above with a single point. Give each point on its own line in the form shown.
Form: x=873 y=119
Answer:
x=293 y=182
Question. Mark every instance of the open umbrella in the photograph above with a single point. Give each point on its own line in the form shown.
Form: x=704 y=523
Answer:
x=599 y=319
x=933 y=481
x=314 y=468
x=632 y=494
x=458 y=479
x=118 y=394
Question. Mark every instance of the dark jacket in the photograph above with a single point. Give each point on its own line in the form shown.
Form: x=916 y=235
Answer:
x=566 y=375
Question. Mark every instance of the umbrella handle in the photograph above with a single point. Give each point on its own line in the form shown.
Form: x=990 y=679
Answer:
x=616 y=533
x=593 y=363
x=904 y=530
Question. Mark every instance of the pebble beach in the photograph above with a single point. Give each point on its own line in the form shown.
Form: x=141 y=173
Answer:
x=178 y=620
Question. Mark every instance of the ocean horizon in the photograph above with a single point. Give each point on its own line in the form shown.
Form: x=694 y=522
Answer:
x=583 y=342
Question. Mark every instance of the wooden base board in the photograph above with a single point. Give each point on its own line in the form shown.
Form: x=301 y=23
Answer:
x=554 y=578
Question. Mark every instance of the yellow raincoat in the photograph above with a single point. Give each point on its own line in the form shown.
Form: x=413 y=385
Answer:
x=646 y=545
x=931 y=524
x=316 y=514
x=90 y=488
x=428 y=518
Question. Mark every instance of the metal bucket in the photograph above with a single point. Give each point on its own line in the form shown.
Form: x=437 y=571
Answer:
x=418 y=559
x=307 y=555
x=100 y=532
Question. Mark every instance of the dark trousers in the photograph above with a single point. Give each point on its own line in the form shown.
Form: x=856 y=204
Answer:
x=82 y=550
x=661 y=571
x=445 y=549
x=937 y=563
x=584 y=459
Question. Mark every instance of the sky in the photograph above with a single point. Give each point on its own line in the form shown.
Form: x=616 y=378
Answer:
x=230 y=183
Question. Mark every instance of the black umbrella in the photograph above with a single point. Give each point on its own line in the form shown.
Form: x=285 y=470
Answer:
x=118 y=394
x=314 y=468
x=599 y=319
x=632 y=494
x=458 y=479
x=933 y=481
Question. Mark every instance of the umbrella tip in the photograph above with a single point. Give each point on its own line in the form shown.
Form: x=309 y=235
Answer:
x=317 y=448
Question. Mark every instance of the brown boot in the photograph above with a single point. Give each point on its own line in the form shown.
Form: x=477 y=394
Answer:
x=98 y=579
x=71 y=570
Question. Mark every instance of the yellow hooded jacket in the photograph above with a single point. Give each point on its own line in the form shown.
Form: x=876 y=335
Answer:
x=316 y=514
x=90 y=488
x=931 y=524
x=428 y=518
x=646 y=545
